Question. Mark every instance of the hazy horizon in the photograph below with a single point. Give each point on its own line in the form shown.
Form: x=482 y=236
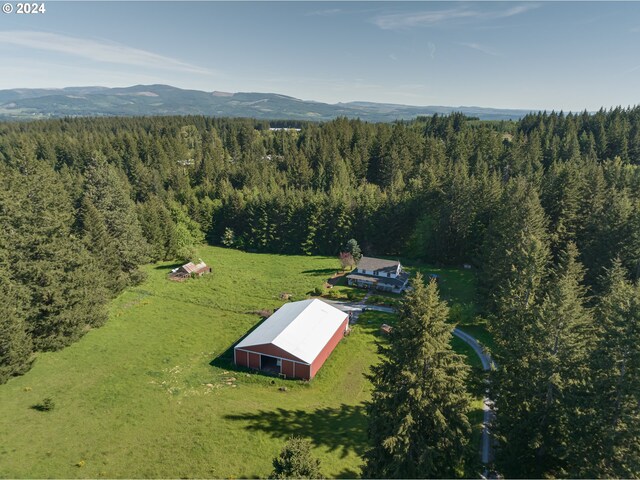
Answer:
x=570 y=56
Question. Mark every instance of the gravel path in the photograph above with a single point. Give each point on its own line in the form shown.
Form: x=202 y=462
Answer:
x=355 y=308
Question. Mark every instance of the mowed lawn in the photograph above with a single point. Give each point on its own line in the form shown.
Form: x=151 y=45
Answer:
x=147 y=396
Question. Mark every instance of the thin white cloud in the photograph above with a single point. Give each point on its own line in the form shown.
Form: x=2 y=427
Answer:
x=100 y=51
x=397 y=21
x=419 y=19
x=480 y=48
x=517 y=10
x=431 y=48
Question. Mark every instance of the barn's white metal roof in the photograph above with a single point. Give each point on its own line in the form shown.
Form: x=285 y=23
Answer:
x=301 y=328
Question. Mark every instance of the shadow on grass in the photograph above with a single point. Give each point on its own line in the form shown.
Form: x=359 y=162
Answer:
x=339 y=429
x=45 y=406
x=324 y=271
x=168 y=267
x=225 y=359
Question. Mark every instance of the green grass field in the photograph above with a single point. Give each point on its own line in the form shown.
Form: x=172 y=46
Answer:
x=152 y=393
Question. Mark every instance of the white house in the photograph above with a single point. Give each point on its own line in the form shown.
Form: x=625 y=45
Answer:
x=386 y=275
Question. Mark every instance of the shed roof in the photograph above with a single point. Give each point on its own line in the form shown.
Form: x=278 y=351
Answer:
x=191 y=267
x=300 y=328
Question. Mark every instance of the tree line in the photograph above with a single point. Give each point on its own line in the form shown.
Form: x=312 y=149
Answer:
x=546 y=208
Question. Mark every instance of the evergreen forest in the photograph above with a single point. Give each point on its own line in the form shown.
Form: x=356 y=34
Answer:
x=546 y=209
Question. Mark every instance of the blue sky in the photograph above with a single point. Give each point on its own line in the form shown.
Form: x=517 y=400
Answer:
x=539 y=55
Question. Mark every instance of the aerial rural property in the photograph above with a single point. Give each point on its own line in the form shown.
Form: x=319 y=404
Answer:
x=305 y=240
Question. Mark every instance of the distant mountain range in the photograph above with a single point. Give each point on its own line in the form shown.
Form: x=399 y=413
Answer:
x=22 y=104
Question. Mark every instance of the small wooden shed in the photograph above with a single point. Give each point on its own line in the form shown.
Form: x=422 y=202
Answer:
x=189 y=269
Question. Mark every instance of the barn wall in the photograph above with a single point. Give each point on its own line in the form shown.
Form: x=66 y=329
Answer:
x=328 y=348
x=254 y=360
x=288 y=368
x=241 y=358
x=303 y=371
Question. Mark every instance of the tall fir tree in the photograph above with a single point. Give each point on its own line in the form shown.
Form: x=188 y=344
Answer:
x=16 y=348
x=512 y=324
x=109 y=192
x=516 y=238
x=612 y=446
x=418 y=425
x=565 y=330
x=66 y=289
x=296 y=461
x=539 y=420
x=102 y=246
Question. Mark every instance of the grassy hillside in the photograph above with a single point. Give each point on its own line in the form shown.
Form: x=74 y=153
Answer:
x=151 y=394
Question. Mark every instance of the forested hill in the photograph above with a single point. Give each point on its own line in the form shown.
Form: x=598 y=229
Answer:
x=547 y=208
x=167 y=100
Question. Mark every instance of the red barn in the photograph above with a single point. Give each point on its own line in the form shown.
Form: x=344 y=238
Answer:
x=295 y=341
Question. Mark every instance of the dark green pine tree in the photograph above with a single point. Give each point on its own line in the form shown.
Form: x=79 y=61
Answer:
x=561 y=192
x=612 y=446
x=516 y=239
x=102 y=246
x=159 y=229
x=295 y=461
x=565 y=328
x=353 y=248
x=15 y=344
x=65 y=284
x=418 y=425
x=109 y=192
x=512 y=326
x=539 y=420
x=16 y=347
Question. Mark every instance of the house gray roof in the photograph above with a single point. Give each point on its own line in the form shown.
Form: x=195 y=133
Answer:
x=370 y=263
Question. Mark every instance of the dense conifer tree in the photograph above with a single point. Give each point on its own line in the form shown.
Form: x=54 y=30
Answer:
x=513 y=325
x=418 y=425
x=296 y=461
x=516 y=246
x=612 y=446
x=101 y=245
x=109 y=193
x=539 y=420
x=66 y=289
x=15 y=344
